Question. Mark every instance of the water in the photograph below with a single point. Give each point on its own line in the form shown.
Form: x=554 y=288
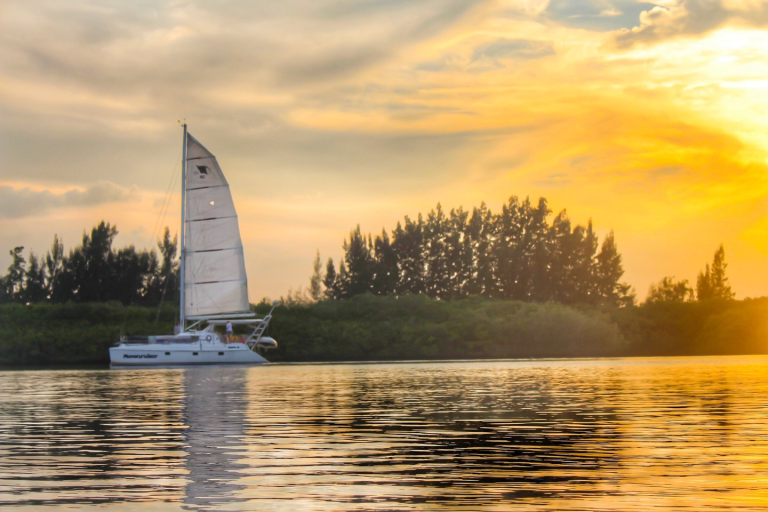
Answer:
x=622 y=434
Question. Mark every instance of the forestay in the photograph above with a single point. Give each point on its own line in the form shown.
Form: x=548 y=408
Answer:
x=214 y=276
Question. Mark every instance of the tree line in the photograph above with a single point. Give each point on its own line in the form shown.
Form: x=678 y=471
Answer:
x=93 y=272
x=514 y=254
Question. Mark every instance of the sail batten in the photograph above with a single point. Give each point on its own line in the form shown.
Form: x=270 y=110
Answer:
x=214 y=279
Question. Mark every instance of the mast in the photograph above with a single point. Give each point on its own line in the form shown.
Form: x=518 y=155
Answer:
x=183 y=209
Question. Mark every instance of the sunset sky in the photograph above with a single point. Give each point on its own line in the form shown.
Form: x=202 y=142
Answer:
x=649 y=118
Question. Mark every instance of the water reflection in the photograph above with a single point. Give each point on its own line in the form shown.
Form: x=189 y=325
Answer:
x=587 y=435
x=214 y=410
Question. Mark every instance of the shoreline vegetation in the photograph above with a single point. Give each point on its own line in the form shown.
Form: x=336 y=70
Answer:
x=447 y=285
x=412 y=327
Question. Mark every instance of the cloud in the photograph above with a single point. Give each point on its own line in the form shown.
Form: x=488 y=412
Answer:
x=25 y=202
x=692 y=17
x=181 y=51
x=596 y=15
x=512 y=49
x=488 y=55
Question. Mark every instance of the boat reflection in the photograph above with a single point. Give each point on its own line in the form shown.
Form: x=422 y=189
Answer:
x=214 y=407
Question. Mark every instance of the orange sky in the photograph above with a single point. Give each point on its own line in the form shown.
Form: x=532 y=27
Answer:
x=651 y=119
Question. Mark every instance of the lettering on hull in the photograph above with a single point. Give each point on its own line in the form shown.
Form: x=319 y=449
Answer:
x=139 y=356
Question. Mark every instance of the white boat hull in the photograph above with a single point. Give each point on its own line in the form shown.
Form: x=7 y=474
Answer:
x=183 y=354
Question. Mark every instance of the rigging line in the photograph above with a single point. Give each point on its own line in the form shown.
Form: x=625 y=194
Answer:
x=166 y=202
x=162 y=297
x=161 y=217
x=167 y=199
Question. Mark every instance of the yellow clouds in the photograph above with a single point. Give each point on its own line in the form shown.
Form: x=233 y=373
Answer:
x=329 y=113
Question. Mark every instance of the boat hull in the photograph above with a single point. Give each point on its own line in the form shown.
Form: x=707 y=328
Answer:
x=183 y=354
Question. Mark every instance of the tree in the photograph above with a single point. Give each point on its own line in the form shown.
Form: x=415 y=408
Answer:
x=515 y=254
x=608 y=271
x=713 y=284
x=668 y=290
x=482 y=232
x=385 y=265
x=458 y=248
x=13 y=282
x=507 y=249
x=563 y=253
x=53 y=264
x=91 y=268
x=408 y=244
x=331 y=281
x=166 y=278
x=532 y=246
x=130 y=275
x=704 y=285
x=316 y=281
x=34 y=281
x=437 y=274
x=359 y=264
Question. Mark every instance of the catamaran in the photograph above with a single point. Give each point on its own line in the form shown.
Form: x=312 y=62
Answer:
x=214 y=289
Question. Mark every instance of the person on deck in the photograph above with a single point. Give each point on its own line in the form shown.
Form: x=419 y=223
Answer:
x=177 y=329
x=228 y=335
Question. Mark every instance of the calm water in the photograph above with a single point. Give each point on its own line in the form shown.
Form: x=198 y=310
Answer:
x=627 y=434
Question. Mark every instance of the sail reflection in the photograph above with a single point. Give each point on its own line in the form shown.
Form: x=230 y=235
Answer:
x=214 y=406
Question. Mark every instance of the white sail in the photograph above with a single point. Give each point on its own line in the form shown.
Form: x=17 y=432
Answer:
x=214 y=275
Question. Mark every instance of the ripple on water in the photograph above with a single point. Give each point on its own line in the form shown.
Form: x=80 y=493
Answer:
x=622 y=434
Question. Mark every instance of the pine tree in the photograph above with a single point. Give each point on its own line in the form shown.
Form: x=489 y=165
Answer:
x=330 y=281
x=714 y=284
x=562 y=256
x=34 y=281
x=316 y=281
x=482 y=234
x=53 y=265
x=342 y=282
x=385 y=266
x=437 y=276
x=359 y=264
x=585 y=286
x=458 y=250
x=13 y=282
x=93 y=270
x=407 y=242
x=704 y=285
x=507 y=249
x=608 y=270
x=538 y=254
x=720 y=287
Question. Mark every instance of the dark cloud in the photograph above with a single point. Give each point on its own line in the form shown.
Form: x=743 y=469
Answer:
x=26 y=202
x=692 y=17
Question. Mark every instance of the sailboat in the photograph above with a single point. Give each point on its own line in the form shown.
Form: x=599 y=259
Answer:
x=214 y=288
